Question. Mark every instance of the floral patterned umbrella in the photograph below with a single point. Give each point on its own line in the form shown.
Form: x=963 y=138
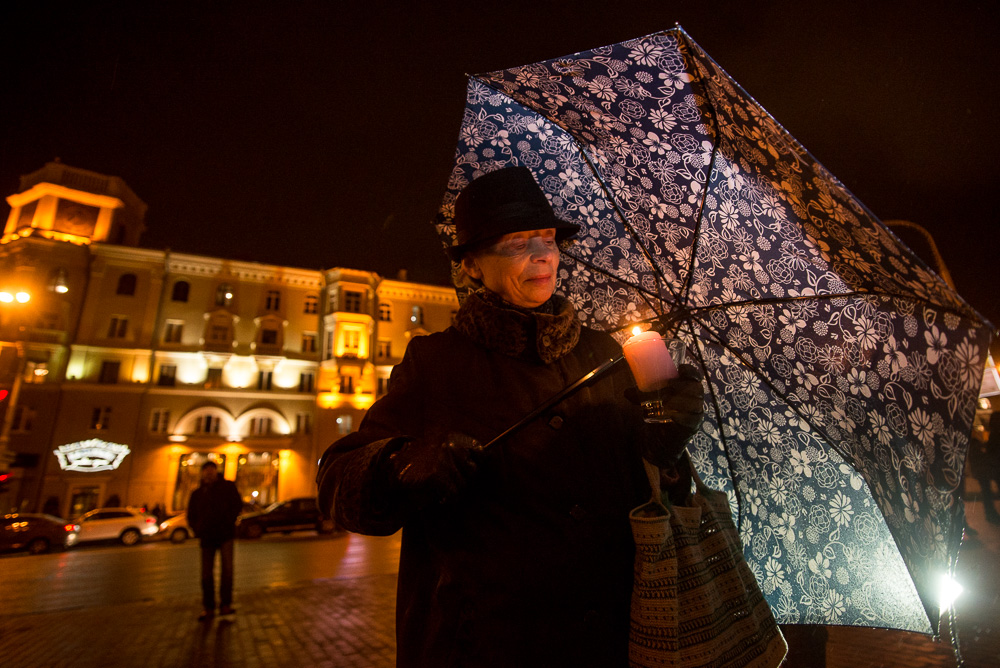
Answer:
x=841 y=373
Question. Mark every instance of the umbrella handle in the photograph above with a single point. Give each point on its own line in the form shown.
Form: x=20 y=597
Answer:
x=590 y=377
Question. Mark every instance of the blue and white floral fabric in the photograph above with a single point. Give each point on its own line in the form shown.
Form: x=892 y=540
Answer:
x=842 y=374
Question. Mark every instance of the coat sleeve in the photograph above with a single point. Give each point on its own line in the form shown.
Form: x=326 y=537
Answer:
x=194 y=513
x=353 y=480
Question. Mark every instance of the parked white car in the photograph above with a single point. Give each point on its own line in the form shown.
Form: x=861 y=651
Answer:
x=127 y=525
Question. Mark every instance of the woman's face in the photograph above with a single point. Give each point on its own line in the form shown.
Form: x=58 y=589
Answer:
x=520 y=267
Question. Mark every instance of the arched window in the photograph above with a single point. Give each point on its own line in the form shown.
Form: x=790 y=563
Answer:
x=224 y=295
x=126 y=285
x=181 y=290
x=385 y=311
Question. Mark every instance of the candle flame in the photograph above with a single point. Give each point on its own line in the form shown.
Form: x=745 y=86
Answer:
x=636 y=331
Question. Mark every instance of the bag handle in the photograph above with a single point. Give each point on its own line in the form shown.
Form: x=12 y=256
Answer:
x=653 y=474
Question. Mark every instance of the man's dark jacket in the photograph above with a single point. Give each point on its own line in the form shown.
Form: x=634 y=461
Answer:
x=532 y=565
x=212 y=512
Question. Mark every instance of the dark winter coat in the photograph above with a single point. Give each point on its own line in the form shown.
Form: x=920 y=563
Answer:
x=532 y=566
x=212 y=511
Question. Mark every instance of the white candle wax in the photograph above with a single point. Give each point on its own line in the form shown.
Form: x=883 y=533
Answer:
x=650 y=361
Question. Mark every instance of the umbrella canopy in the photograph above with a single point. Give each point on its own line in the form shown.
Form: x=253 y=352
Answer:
x=841 y=373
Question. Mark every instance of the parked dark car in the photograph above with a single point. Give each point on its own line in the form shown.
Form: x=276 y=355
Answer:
x=300 y=514
x=36 y=533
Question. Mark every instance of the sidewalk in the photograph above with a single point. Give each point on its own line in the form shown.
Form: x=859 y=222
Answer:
x=349 y=623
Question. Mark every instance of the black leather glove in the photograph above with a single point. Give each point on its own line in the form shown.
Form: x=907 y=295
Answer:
x=684 y=398
x=432 y=471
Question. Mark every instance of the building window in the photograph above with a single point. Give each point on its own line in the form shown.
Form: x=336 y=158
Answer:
x=118 y=328
x=172 y=331
x=158 y=420
x=328 y=348
x=417 y=315
x=344 y=424
x=35 y=372
x=264 y=380
x=385 y=312
x=224 y=295
x=109 y=371
x=272 y=302
x=219 y=333
x=352 y=342
x=207 y=424
x=303 y=423
x=268 y=337
x=126 y=285
x=352 y=301
x=309 y=342
x=49 y=320
x=382 y=386
x=312 y=304
x=100 y=418
x=181 y=291
x=307 y=379
x=347 y=384
x=24 y=416
x=214 y=379
x=384 y=348
x=260 y=426
x=168 y=375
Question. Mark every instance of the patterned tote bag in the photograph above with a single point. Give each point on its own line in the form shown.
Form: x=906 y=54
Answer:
x=695 y=602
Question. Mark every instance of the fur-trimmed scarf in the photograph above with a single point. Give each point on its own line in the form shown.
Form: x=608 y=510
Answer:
x=541 y=334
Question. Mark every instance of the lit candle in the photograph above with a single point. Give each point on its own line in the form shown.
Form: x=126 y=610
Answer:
x=650 y=361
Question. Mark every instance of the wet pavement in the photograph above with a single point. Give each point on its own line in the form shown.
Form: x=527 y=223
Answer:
x=347 y=621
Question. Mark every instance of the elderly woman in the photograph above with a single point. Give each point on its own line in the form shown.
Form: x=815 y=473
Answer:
x=520 y=555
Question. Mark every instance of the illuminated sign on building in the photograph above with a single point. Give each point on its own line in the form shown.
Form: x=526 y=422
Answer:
x=92 y=455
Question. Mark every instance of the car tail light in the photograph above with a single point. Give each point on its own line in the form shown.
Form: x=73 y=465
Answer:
x=71 y=527
x=150 y=520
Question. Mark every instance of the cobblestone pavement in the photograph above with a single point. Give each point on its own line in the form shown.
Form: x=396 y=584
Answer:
x=323 y=623
x=348 y=623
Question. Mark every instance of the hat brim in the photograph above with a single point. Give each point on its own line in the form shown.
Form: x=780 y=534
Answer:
x=564 y=230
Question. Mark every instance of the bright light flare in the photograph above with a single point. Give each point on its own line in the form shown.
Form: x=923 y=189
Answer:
x=948 y=590
x=22 y=297
x=637 y=330
x=6 y=297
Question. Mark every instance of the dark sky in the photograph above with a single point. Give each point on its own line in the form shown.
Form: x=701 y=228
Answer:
x=319 y=134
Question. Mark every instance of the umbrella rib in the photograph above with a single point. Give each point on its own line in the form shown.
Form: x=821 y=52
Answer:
x=643 y=292
x=721 y=433
x=764 y=379
x=628 y=227
x=825 y=297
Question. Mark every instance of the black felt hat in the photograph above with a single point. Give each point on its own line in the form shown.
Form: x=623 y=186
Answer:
x=498 y=203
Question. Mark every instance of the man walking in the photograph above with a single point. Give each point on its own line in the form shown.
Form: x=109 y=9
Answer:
x=212 y=512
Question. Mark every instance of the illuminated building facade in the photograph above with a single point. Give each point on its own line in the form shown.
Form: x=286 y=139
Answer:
x=138 y=365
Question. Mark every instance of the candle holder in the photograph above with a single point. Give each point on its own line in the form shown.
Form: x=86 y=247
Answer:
x=653 y=360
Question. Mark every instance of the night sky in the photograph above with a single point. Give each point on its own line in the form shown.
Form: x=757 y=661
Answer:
x=320 y=134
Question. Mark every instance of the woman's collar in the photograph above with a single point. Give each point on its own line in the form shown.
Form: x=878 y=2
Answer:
x=553 y=327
